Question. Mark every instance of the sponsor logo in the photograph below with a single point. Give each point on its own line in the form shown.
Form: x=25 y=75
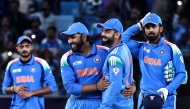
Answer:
x=77 y=63
x=147 y=50
x=17 y=70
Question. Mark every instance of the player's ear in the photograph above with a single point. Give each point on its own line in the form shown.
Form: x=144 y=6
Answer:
x=161 y=28
x=84 y=37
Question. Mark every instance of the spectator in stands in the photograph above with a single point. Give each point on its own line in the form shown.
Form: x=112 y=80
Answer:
x=53 y=63
x=40 y=35
x=9 y=54
x=18 y=19
x=8 y=32
x=52 y=43
x=46 y=17
x=95 y=33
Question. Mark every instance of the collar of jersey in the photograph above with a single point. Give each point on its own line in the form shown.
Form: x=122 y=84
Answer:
x=29 y=63
x=160 y=42
x=110 y=49
x=93 y=51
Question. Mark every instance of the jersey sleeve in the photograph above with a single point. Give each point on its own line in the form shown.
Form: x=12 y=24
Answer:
x=69 y=77
x=115 y=66
x=131 y=44
x=179 y=66
x=8 y=80
x=48 y=77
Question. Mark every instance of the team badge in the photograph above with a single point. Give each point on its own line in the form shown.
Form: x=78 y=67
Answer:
x=149 y=17
x=181 y=59
x=97 y=59
x=115 y=70
x=33 y=69
x=162 y=52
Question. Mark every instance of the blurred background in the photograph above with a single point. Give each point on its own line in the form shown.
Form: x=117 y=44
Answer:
x=43 y=20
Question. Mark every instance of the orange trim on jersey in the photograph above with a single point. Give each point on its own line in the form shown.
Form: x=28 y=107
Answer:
x=14 y=61
x=167 y=42
x=70 y=52
x=102 y=47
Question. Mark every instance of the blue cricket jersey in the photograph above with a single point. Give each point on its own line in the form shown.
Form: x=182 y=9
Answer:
x=118 y=69
x=33 y=75
x=153 y=59
x=78 y=70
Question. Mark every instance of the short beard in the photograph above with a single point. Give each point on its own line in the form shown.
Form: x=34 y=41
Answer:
x=25 y=56
x=109 y=41
x=152 y=38
x=78 y=45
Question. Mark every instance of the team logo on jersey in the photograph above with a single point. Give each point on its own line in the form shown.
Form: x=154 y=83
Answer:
x=97 y=59
x=162 y=52
x=181 y=59
x=150 y=17
x=147 y=50
x=115 y=70
x=32 y=69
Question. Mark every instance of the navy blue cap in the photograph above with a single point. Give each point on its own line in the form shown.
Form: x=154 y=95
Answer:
x=21 y=38
x=152 y=18
x=76 y=28
x=112 y=24
x=153 y=101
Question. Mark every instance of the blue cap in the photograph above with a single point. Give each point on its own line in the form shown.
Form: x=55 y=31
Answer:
x=152 y=18
x=112 y=24
x=76 y=28
x=21 y=38
x=153 y=101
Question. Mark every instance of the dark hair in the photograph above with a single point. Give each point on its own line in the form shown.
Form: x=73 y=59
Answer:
x=164 y=30
x=52 y=28
x=15 y=1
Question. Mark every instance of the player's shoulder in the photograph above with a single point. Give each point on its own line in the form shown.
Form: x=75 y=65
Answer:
x=172 y=46
x=41 y=61
x=100 y=47
x=67 y=54
x=65 y=57
x=14 y=61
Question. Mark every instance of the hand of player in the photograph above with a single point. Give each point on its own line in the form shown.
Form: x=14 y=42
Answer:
x=164 y=92
x=129 y=91
x=139 y=24
x=25 y=94
x=19 y=88
x=102 y=84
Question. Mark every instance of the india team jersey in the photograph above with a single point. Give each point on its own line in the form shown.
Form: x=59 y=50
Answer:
x=153 y=59
x=33 y=75
x=118 y=69
x=78 y=70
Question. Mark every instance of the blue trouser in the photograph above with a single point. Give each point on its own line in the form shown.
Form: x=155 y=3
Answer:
x=74 y=103
x=170 y=102
x=120 y=103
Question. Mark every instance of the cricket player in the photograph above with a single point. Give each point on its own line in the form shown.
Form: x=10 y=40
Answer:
x=81 y=70
x=118 y=67
x=153 y=56
x=25 y=78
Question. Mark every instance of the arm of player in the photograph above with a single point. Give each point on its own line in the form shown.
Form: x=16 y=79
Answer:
x=7 y=82
x=179 y=66
x=109 y=96
x=69 y=79
x=131 y=44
